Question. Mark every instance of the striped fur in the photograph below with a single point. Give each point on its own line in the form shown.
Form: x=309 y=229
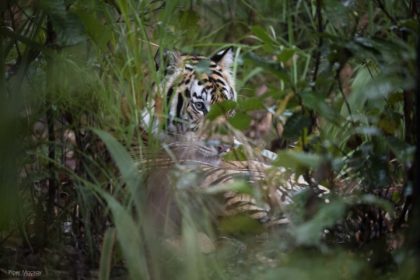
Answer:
x=191 y=85
x=186 y=158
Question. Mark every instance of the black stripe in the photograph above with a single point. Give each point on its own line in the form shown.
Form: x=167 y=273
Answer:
x=220 y=81
x=218 y=74
x=169 y=95
x=179 y=105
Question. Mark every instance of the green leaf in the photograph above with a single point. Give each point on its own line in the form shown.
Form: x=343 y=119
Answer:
x=263 y=36
x=203 y=66
x=272 y=66
x=250 y=104
x=100 y=34
x=126 y=165
x=294 y=160
x=239 y=224
x=316 y=103
x=236 y=154
x=379 y=202
x=221 y=108
x=389 y=122
x=310 y=233
x=106 y=254
x=402 y=151
x=66 y=24
x=238 y=186
x=286 y=54
x=240 y=121
x=129 y=238
x=295 y=124
x=189 y=20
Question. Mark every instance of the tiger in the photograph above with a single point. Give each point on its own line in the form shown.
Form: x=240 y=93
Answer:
x=178 y=105
x=190 y=86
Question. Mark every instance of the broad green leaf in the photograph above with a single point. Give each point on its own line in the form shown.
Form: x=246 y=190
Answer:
x=221 y=109
x=316 y=103
x=295 y=125
x=263 y=36
x=236 y=154
x=203 y=66
x=286 y=54
x=272 y=66
x=250 y=104
x=238 y=186
x=240 y=121
x=310 y=233
x=101 y=34
x=189 y=20
x=294 y=160
x=239 y=224
x=66 y=24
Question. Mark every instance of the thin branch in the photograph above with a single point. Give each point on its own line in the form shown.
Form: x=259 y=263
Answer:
x=320 y=41
x=383 y=9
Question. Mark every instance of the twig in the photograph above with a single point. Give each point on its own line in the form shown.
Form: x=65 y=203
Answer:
x=383 y=9
x=320 y=41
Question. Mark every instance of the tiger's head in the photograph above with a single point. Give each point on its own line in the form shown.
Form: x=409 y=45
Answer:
x=191 y=85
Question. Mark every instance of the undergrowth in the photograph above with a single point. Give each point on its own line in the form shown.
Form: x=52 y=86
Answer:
x=327 y=86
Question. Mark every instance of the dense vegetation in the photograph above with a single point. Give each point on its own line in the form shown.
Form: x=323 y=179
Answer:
x=329 y=86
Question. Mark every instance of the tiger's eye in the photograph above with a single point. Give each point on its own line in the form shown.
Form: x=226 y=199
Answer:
x=200 y=106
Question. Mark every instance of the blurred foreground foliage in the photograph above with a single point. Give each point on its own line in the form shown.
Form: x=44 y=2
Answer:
x=329 y=86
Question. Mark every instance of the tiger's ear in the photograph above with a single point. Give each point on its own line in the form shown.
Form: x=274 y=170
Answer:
x=166 y=60
x=224 y=58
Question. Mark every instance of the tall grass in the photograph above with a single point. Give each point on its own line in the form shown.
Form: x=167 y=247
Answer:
x=77 y=78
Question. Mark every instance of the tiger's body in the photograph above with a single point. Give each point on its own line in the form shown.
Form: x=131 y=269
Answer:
x=190 y=87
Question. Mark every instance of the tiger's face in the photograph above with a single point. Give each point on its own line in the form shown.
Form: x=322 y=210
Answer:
x=192 y=84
